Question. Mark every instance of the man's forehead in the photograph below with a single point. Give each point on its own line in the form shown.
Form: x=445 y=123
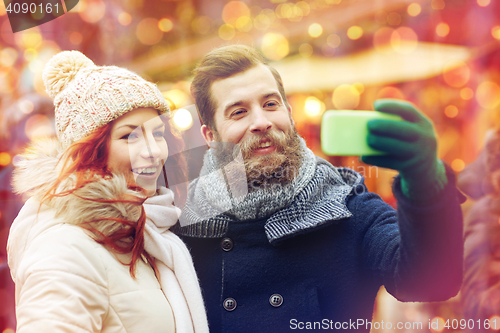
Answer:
x=257 y=81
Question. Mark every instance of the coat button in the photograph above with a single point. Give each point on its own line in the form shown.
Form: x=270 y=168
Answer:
x=276 y=300
x=229 y=304
x=227 y=244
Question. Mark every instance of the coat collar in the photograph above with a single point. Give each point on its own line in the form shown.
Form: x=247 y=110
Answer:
x=323 y=200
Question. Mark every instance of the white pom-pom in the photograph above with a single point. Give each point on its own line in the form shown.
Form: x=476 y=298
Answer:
x=61 y=69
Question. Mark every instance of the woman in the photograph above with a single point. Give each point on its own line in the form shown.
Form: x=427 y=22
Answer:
x=90 y=251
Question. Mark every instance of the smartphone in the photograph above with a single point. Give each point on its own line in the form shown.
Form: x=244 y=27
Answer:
x=344 y=132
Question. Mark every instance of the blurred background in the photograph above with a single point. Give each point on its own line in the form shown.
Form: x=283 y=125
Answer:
x=442 y=55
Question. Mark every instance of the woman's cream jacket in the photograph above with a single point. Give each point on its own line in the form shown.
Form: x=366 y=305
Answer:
x=65 y=280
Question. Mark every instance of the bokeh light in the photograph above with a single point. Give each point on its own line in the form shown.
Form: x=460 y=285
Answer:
x=313 y=106
x=457 y=75
x=495 y=32
x=275 y=46
x=359 y=87
x=442 y=29
x=404 y=40
x=305 y=50
x=304 y=7
x=483 y=3
x=165 y=25
x=390 y=92
x=296 y=14
x=36 y=66
x=345 y=97
x=495 y=318
x=38 y=126
x=457 y=165
x=94 y=11
x=333 y=40
x=124 y=18
x=285 y=10
x=26 y=106
x=234 y=10
x=29 y=39
x=4 y=159
x=394 y=19
x=451 y=111
x=183 y=119
x=262 y=21
x=75 y=38
x=201 y=24
x=30 y=54
x=244 y=23
x=9 y=330
x=488 y=95
x=439 y=320
x=177 y=96
x=466 y=93
x=355 y=32
x=414 y=9
x=227 y=32
x=438 y=4
x=315 y=30
x=147 y=31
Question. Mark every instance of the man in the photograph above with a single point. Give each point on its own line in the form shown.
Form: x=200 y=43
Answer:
x=307 y=246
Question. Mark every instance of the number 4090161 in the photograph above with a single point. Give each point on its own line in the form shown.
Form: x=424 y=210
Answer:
x=31 y=8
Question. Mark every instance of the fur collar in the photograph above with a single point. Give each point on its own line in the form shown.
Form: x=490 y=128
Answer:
x=38 y=171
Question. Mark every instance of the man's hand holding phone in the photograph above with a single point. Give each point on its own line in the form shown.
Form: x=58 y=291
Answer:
x=409 y=146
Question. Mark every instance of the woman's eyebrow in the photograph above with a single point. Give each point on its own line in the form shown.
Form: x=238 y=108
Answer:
x=133 y=127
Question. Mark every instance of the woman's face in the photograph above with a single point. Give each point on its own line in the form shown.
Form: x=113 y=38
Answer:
x=138 y=148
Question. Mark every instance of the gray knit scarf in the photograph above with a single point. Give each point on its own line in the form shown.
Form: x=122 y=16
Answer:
x=217 y=197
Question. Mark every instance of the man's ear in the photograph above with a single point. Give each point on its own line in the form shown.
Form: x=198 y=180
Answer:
x=207 y=134
x=289 y=108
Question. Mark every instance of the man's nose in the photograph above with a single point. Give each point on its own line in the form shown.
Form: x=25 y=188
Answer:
x=260 y=121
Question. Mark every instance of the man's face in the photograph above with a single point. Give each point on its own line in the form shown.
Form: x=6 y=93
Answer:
x=250 y=112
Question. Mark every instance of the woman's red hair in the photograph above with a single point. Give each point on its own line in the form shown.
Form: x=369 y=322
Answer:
x=87 y=159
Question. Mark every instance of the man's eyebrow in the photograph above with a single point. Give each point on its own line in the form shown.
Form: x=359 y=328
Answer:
x=229 y=106
x=273 y=94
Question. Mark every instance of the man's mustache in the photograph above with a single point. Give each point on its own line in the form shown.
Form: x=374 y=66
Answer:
x=277 y=138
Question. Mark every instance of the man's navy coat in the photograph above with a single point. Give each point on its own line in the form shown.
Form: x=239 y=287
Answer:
x=318 y=263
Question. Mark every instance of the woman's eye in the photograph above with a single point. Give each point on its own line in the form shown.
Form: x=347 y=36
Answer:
x=158 y=134
x=130 y=136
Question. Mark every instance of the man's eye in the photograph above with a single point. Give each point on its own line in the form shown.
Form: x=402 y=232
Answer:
x=271 y=104
x=238 y=112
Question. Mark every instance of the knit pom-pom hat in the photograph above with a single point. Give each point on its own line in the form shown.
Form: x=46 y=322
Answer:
x=87 y=96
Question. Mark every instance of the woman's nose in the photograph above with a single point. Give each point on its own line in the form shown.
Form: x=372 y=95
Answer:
x=151 y=148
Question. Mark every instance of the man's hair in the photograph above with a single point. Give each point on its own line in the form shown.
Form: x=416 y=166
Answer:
x=220 y=64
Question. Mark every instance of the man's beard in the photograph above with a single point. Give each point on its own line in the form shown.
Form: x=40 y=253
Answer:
x=277 y=168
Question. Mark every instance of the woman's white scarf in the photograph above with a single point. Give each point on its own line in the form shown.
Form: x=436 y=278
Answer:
x=177 y=278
